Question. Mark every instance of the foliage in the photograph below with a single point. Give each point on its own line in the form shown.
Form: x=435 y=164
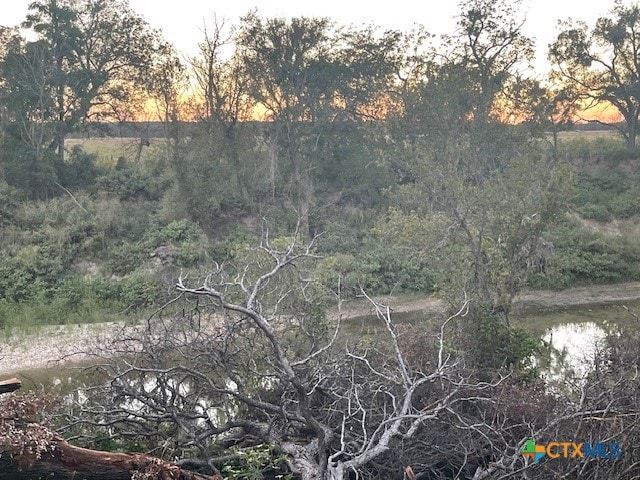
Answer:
x=254 y=463
x=607 y=195
x=24 y=429
x=594 y=149
x=310 y=78
x=496 y=346
x=130 y=182
x=488 y=49
x=226 y=248
x=16 y=283
x=378 y=269
x=588 y=257
x=79 y=170
x=10 y=199
x=601 y=64
x=125 y=258
x=445 y=191
x=77 y=73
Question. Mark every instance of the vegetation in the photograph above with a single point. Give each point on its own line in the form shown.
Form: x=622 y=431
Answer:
x=600 y=66
x=381 y=165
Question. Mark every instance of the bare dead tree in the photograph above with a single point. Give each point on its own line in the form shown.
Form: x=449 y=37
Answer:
x=248 y=357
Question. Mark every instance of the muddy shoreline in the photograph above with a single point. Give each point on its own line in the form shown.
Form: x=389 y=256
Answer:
x=526 y=302
x=54 y=346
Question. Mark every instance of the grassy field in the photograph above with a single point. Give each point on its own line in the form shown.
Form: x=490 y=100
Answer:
x=109 y=149
x=590 y=135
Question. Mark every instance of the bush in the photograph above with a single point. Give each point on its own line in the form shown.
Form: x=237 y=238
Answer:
x=79 y=170
x=583 y=257
x=10 y=199
x=494 y=345
x=608 y=149
x=125 y=258
x=226 y=248
x=378 y=269
x=17 y=283
x=605 y=195
x=175 y=232
x=139 y=290
x=130 y=182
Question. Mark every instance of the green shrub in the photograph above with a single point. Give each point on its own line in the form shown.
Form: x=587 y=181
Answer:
x=256 y=463
x=582 y=257
x=495 y=345
x=226 y=248
x=175 y=232
x=130 y=182
x=78 y=170
x=596 y=212
x=605 y=195
x=125 y=258
x=189 y=255
x=10 y=199
x=139 y=290
x=378 y=269
x=608 y=149
x=17 y=283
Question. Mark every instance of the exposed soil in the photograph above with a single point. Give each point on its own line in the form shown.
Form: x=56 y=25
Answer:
x=56 y=345
x=52 y=345
x=527 y=301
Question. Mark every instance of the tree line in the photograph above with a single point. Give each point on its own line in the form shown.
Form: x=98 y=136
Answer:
x=94 y=60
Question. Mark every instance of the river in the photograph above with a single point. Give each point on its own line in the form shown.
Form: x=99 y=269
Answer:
x=573 y=334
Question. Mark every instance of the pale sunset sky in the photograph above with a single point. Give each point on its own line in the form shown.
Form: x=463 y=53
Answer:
x=182 y=21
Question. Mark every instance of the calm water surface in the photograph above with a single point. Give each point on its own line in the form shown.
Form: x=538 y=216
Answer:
x=573 y=334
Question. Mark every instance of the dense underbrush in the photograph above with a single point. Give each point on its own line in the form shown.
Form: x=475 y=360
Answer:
x=114 y=242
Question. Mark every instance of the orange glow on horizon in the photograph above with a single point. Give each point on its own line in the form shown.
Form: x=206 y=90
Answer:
x=606 y=113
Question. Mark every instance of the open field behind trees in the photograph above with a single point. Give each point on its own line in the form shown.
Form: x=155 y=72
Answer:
x=382 y=164
x=109 y=149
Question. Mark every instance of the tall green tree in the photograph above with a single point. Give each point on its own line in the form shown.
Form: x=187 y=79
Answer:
x=28 y=107
x=309 y=77
x=226 y=106
x=474 y=196
x=602 y=64
x=83 y=64
x=490 y=46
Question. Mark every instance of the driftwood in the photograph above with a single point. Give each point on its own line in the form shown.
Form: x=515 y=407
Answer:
x=56 y=458
x=67 y=462
x=10 y=385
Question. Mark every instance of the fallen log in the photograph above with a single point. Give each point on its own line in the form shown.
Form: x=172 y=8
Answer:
x=10 y=385
x=68 y=462
x=31 y=451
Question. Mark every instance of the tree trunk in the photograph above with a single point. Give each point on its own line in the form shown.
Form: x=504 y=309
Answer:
x=67 y=462
x=10 y=385
x=632 y=130
x=302 y=461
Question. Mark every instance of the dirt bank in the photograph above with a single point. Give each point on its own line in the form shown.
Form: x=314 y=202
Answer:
x=47 y=346
x=526 y=302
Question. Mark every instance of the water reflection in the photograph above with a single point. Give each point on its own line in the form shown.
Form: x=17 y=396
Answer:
x=573 y=335
x=572 y=348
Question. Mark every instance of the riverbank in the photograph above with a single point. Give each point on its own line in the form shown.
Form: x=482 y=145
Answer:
x=56 y=345
x=534 y=300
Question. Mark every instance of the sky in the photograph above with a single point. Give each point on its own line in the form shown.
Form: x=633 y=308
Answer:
x=182 y=21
